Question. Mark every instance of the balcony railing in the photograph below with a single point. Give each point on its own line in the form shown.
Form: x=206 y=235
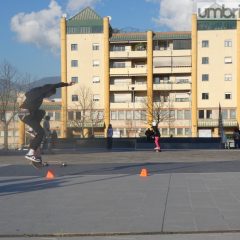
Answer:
x=215 y=123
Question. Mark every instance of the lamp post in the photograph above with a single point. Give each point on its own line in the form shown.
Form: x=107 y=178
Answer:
x=133 y=100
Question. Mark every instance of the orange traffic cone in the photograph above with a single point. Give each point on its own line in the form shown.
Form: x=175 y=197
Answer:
x=50 y=175
x=144 y=173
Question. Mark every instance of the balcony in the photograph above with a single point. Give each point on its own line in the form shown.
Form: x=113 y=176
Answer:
x=215 y=123
x=127 y=54
x=137 y=71
x=172 y=86
x=127 y=105
x=171 y=53
x=169 y=70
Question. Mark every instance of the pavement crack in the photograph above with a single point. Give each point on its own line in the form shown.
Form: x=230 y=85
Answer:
x=165 y=206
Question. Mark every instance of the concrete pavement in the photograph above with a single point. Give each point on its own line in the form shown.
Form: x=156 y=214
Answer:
x=100 y=195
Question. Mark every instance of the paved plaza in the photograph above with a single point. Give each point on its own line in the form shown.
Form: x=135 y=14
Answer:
x=188 y=194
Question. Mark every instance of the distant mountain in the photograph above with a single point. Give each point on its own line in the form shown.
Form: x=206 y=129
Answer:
x=48 y=80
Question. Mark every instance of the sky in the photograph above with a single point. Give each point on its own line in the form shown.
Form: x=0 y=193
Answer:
x=29 y=29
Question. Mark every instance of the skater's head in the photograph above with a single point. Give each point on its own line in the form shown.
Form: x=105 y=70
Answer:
x=47 y=118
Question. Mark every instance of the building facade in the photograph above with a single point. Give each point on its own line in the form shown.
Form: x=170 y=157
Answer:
x=135 y=78
x=178 y=79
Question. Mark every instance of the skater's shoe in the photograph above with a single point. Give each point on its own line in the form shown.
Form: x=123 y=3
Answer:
x=33 y=158
x=31 y=133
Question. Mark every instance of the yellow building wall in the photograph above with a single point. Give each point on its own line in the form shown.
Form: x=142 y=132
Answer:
x=217 y=86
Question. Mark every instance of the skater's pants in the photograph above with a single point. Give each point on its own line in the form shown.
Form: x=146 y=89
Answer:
x=33 y=120
x=157 y=142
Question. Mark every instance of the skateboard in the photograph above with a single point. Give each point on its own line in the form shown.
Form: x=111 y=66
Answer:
x=157 y=150
x=40 y=165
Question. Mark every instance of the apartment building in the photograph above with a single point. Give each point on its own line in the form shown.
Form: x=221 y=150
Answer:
x=215 y=75
x=135 y=77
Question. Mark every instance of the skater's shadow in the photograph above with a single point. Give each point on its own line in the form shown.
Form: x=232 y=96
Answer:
x=29 y=186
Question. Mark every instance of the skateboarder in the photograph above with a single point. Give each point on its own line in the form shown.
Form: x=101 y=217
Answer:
x=31 y=115
x=156 y=135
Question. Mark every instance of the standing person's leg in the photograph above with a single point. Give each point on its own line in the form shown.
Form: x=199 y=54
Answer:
x=157 y=143
x=33 y=120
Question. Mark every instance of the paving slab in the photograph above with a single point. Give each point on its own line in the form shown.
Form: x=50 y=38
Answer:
x=109 y=197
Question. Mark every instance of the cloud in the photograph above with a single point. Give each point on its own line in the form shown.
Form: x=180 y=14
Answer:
x=175 y=14
x=40 y=28
x=74 y=5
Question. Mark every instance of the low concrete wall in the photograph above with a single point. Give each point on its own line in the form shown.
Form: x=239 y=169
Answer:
x=141 y=143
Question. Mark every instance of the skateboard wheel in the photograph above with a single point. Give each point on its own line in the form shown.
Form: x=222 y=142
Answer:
x=64 y=164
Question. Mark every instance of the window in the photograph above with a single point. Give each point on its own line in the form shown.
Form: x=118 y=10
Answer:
x=228 y=43
x=74 y=98
x=172 y=131
x=121 y=115
x=74 y=79
x=70 y=115
x=205 y=96
x=209 y=114
x=96 y=79
x=129 y=115
x=57 y=116
x=224 y=113
x=232 y=113
x=137 y=115
x=187 y=114
x=96 y=97
x=228 y=95
x=205 y=77
x=116 y=48
x=156 y=80
x=205 y=60
x=96 y=63
x=143 y=115
x=78 y=115
x=188 y=131
x=118 y=65
x=228 y=77
x=113 y=115
x=228 y=60
x=96 y=46
x=201 y=114
x=74 y=47
x=179 y=131
x=205 y=43
x=172 y=114
x=180 y=114
x=74 y=63
x=164 y=131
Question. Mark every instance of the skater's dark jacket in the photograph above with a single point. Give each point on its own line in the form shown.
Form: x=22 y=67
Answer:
x=35 y=96
x=156 y=132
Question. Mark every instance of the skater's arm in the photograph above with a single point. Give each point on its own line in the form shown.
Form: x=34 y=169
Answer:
x=62 y=84
x=52 y=88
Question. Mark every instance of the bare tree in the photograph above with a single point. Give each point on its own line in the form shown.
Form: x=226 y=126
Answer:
x=86 y=115
x=12 y=86
x=159 y=110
